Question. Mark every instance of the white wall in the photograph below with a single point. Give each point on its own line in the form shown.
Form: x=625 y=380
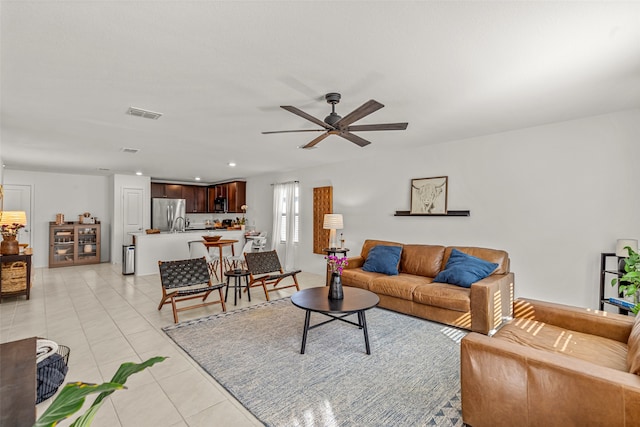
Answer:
x=554 y=197
x=68 y=194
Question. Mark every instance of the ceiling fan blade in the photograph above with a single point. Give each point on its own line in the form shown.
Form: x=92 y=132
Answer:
x=289 y=131
x=355 y=139
x=362 y=111
x=316 y=140
x=299 y=112
x=382 y=126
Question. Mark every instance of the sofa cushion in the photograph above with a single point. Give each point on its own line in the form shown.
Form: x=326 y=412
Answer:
x=464 y=270
x=543 y=336
x=422 y=260
x=445 y=296
x=383 y=259
x=357 y=278
x=633 y=355
x=401 y=286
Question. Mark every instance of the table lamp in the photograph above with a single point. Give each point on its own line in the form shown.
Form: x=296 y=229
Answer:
x=333 y=222
x=11 y=222
x=623 y=253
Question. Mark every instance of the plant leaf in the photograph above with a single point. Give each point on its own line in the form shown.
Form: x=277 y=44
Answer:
x=70 y=400
x=125 y=371
x=87 y=418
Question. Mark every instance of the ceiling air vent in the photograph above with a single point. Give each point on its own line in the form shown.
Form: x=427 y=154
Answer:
x=146 y=114
x=130 y=150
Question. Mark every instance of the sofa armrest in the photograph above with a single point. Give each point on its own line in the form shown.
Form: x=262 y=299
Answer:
x=595 y=322
x=491 y=302
x=537 y=387
x=354 y=262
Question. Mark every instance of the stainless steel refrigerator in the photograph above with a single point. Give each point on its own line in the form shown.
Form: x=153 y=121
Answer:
x=165 y=214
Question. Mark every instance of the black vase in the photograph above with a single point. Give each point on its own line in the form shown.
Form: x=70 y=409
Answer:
x=335 y=287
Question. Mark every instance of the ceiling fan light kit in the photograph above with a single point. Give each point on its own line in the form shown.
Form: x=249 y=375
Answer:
x=334 y=124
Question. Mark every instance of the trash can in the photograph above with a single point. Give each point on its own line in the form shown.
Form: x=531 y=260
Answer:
x=128 y=259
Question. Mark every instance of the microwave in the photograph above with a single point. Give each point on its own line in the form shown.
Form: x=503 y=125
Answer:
x=220 y=204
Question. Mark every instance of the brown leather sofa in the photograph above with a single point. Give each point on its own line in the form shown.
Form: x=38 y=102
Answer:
x=480 y=308
x=553 y=365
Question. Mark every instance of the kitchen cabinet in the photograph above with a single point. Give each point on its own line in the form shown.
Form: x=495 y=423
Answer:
x=234 y=192
x=195 y=195
x=73 y=243
x=236 y=196
x=170 y=191
x=196 y=198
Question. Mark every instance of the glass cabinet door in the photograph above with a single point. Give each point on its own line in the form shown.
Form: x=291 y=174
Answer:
x=88 y=236
x=62 y=245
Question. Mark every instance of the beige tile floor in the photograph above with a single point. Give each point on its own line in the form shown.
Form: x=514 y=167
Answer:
x=107 y=319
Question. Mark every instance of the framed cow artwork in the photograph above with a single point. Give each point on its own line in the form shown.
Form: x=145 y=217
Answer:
x=429 y=195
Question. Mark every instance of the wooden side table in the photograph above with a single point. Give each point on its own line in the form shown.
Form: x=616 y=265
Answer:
x=6 y=261
x=18 y=386
x=333 y=251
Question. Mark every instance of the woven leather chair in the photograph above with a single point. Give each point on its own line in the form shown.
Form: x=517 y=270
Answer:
x=184 y=280
x=265 y=269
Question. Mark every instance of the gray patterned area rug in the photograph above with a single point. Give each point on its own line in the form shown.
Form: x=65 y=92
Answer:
x=411 y=377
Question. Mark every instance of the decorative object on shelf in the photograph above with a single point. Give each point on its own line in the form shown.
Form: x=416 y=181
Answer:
x=629 y=283
x=621 y=251
x=333 y=222
x=11 y=222
x=336 y=265
x=429 y=195
x=59 y=219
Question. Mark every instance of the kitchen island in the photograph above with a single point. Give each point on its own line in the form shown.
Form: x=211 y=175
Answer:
x=151 y=248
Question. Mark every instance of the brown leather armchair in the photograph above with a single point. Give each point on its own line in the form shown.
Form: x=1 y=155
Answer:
x=553 y=365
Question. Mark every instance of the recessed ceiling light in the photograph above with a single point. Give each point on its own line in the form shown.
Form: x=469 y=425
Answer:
x=139 y=173
x=197 y=178
x=232 y=164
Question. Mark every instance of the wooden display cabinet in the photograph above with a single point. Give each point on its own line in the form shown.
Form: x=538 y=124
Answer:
x=73 y=243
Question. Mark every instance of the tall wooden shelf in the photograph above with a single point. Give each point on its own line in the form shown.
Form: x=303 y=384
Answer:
x=73 y=243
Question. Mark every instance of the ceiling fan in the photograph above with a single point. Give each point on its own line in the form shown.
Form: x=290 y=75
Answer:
x=334 y=124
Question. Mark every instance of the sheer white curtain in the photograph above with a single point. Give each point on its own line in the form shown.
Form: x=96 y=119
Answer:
x=284 y=217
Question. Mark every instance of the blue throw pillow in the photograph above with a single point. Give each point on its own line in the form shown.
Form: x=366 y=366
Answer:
x=463 y=269
x=383 y=259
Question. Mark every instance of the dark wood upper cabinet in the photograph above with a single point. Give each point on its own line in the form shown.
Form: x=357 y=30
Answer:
x=157 y=190
x=194 y=195
x=173 y=191
x=234 y=192
x=236 y=195
x=196 y=198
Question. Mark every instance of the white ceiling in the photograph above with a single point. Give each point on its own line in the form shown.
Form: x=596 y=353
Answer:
x=218 y=70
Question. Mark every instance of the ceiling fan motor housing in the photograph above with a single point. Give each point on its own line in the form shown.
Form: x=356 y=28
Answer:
x=332 y=98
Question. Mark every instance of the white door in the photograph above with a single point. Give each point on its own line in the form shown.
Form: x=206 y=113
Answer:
x=18 y=198
x=132 y=213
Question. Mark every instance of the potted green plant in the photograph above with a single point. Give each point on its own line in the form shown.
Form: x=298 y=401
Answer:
x=629 y=283
x=72 y=396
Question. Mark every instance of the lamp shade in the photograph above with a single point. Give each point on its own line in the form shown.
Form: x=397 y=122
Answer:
x=622 y=243
x=333 y=222
x=13 y=217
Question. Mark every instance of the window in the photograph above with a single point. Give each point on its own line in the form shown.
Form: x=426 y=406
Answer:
x=283 y=221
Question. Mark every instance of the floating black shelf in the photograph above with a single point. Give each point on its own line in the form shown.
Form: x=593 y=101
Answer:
x=449 y=213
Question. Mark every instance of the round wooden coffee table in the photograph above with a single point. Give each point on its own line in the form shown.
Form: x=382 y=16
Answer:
x=356 y=301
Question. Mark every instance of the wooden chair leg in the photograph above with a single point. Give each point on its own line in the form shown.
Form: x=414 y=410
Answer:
x=224 y=307
x=175 y=310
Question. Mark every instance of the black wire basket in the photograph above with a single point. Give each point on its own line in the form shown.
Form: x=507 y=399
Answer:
x=51 y=373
